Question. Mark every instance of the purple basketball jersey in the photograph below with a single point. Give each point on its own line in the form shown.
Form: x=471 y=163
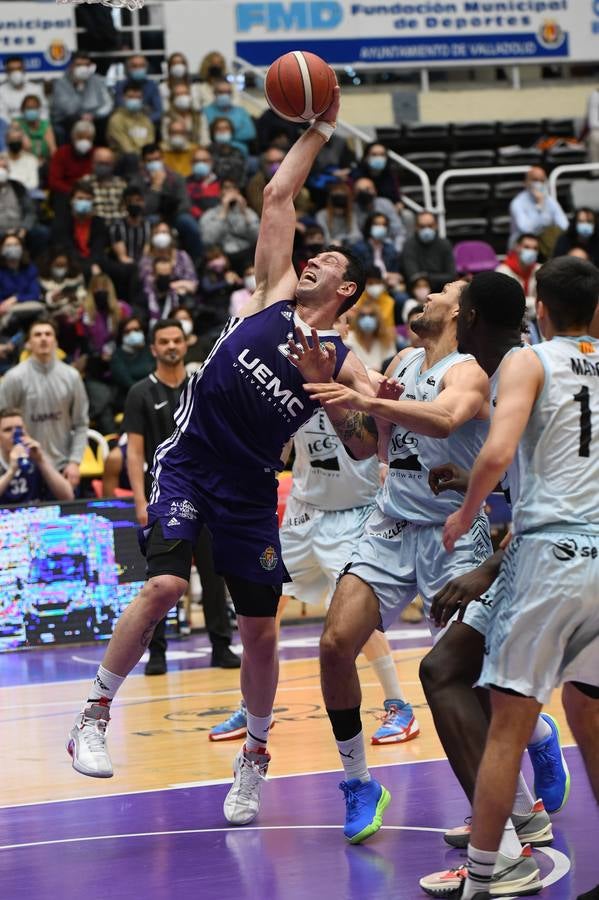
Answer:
x=248 y=399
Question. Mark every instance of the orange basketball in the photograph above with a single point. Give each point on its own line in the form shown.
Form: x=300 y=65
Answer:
x=299 y=86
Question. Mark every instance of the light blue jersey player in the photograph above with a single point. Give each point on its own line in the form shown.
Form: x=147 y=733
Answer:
x=445 y=399
x=219 y=466
x=545 y=627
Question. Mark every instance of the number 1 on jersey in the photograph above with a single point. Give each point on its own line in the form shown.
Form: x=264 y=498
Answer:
x=586 y=431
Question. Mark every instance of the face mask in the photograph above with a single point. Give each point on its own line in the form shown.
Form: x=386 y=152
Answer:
x=82 y=73
x=427 y=234
x=378 y=232
x=421 y=293
x=368 y=323
x=16 y=77
x=178 y=142
x=15 y=146
x=31 y=114
x=201 y=169
x=376 y=163
x=271 y=168
x=364 y=199
x=178 y=70
x=217 y=265
x=182 y=101
x=135 y=210
x=528 y=256
x=133 y=104
x=539 y=186
x=223 y=137
x=101 y=299
x=250 y=282
x=215 y=72
x=187 y=326
x=138 y=74
x=103 y=170
x=134 y=339
x=155 y=165
x=83 y=146
x=3 y=175
x=375 y=290
x=82 y=207
x=339 y=201
x=58 y=273
x=584 y=229
x=161 y=240
x=12 y=251
x=163 y=283
x=223 y=101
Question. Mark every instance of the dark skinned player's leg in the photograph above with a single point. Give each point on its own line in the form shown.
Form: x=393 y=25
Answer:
x=447 y=673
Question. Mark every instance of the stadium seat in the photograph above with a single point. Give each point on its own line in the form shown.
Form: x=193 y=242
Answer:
x=433 y=162
x=559 y=128
x=519 y=156
x=92 y=464
x=413 y=191
x=463 y=198
x=471 y=159
x=565 y=155
x=466 y=229
x=503 y=194
x=474 y=135
x=499 y=232
x=426 y=136
x=474 y=256
x=521 y=131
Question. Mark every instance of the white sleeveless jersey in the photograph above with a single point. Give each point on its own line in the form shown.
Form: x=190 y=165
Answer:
x=558 y=454
x=324 y=475
x=406 y=493
x=510 y=483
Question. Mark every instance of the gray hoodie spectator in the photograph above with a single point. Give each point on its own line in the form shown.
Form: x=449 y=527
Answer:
x=78 y=93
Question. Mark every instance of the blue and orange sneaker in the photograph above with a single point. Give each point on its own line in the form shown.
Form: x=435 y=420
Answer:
x=365 y=803
x=399 y=724
x=552 y=776
x=232 y=728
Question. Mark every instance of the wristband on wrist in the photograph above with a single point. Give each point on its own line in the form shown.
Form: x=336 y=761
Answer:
x=325 y=129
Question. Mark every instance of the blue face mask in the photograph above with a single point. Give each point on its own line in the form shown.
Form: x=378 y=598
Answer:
x=138 y=74
x=155 y=165
x=378 y=232
x=134 y=104
x=134 y=339
x=584 y=229
x=427 y=234
x=528 y=256
x=376 y=163
x=82 y=207
x=223 y=137
x=368 y=323
x=31 y=114
x=223 y=101
x=201 y=169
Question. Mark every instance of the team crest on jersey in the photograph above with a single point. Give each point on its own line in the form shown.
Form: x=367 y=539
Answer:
x=269 y=559
x=184 y=509
x=586 y=347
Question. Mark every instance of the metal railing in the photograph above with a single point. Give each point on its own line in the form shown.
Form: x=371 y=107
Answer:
x=446 y=176
x=566 y=169
x=243 y=67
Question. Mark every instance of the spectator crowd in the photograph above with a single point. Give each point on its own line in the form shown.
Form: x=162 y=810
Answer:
x=120 y=208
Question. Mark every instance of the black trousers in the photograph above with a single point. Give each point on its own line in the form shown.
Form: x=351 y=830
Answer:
x=213 y=599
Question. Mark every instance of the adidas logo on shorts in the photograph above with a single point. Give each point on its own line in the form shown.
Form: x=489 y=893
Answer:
x=172 y=522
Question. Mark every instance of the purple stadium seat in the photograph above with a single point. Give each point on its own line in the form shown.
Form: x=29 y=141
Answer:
x=474 y=256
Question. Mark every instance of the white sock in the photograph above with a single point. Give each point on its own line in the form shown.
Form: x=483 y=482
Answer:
x=104 y=686
x=353 y=758
x=257 y=731
x=480 y=869
x=510 y=845
x=386 y=672
x=541 y=733
x=524 y=800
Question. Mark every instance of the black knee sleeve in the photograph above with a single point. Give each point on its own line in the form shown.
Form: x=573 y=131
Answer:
x=346 y=723
x=253 y=599
x=589 y=690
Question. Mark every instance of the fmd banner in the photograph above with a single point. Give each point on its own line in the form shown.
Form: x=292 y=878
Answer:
x=42 y=33
x=408 y=34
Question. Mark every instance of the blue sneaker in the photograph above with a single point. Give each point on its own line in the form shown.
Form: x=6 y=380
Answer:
x=365 y=803
x=233 y=727
x=552 y=777
x=399 y=724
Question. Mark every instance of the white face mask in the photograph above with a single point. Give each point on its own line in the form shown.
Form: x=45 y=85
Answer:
x=178 y=70
x=16 y=77
x=421 y=293
x=187 y=326
x=82 y=73
x=375 y=290
x=182 y=101
x=3 y=175
x=161 y=240
x=178 y=141
x=250 y=282
x=83 y=146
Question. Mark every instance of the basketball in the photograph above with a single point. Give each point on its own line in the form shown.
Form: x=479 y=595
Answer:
x=299 y=86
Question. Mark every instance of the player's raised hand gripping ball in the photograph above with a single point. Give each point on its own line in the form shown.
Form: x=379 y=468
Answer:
x=299 y=86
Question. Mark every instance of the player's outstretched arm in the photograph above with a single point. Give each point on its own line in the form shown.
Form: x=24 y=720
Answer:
x=357 y=429
x=275 y=275
x=520 y=382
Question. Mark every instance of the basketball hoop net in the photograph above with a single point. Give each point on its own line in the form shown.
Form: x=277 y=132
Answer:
x=115 y=4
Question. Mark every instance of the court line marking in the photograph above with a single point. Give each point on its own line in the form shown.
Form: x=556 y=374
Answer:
x=561 y=863
x=186 y=785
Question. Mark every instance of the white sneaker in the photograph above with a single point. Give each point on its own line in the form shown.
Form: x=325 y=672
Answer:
x=87 y=742
x=242 y=803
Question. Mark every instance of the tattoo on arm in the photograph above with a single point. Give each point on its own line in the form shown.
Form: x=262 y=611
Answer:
x=356 y=425
x=147 y=634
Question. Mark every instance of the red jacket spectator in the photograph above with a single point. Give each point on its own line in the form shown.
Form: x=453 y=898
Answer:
x=67 y=167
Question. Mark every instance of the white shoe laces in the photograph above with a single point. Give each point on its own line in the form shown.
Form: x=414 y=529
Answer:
x=93 y=732
x=250 y=777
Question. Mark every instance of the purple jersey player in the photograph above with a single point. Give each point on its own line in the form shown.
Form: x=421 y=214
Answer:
x=219 y=467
